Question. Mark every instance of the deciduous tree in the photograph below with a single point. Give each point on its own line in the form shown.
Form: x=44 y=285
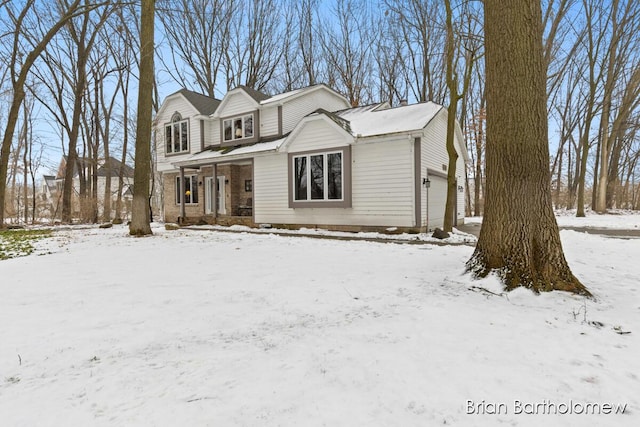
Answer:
x=519 y=238
x=141 y=212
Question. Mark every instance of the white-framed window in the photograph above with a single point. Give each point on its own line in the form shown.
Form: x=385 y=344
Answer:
x=240 y=127
x=176 y=135
x=190 y=190
x=318 y=177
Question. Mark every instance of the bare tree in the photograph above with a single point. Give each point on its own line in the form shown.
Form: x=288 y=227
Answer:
x=197 y=32
x=141 y=212
x=347 y=51
x=390 y=62
x=519 y=238
x=625 y=25
x=455 y=95
x=422 y=29
x=254 y=45
x=19 y=70
x=122 y=50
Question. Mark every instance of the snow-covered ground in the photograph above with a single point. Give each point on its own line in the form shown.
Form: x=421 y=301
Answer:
x=204 y=328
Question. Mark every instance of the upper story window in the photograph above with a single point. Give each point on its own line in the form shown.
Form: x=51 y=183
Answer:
x=176 y=135
x=238 y=128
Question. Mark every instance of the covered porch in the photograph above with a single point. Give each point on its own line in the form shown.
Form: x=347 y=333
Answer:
x=223 y=181
x=216 y=193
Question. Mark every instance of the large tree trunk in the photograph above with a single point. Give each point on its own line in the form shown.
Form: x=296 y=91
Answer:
x=519 y=238
x=141 y=212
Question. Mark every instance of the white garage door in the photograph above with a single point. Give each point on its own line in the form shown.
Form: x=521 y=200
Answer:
x=436 y=201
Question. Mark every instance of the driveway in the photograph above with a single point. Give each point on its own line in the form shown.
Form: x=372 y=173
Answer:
x=609 y=232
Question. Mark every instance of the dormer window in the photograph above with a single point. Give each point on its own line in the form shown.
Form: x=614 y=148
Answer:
x=238 y=128
x=176 y=135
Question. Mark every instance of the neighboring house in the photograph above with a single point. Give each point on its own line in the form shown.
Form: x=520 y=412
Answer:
x=53 y=186
x=304 y=159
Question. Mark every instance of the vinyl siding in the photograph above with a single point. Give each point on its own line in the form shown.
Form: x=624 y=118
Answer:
x=269 y=121
x=212 y=133
x=433 y=156
x=295 y=110
x=178 y=104
x=318 y=134
x=237 y=103
x=382 y=189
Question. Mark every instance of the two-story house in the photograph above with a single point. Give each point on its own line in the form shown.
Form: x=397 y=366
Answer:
x=304 y=159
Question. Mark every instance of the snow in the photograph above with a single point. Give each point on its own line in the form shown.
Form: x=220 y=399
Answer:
x=205 y=157
x=208 y=328
x=367 y=122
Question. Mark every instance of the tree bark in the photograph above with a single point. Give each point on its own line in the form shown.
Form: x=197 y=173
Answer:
x=519 y=238
x=140 y=215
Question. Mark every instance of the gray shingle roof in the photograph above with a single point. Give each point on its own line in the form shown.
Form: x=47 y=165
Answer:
x=115 y=166
x=203 y=103
x=255 y=94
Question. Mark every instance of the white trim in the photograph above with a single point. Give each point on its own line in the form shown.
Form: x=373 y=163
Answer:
x=348 y=138
x=325 y=176
x=171 y=125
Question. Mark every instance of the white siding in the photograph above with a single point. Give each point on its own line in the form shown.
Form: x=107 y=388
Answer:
x=433 y=156
x=212 y=133
x=181 y=105
x=237 y=103
x=295 y=110
x=269 y=121
x=382 y=189
x=319 y=134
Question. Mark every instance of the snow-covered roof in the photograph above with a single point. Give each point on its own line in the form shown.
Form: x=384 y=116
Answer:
x=217 y=154
x=374 y=120
x=282 y=96
x=295 y=93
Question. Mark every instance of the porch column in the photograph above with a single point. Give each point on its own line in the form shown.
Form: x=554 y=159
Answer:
x=182 y=195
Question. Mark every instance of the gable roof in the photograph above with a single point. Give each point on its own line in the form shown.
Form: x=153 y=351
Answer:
x=205 y=105
x=115 y=166
x=255 y=94
x=297 y=92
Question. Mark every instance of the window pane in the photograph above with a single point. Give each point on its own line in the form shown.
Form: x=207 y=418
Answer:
x=228 y=135
x=334 y=178
x=317 y=177
x=248 y=126
x=300 y=183
x=194 y=189
x=184 y=135
x=237 y=128
x=178 y=192
x=176 y=138
x=187 y=190
x=167 y=138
